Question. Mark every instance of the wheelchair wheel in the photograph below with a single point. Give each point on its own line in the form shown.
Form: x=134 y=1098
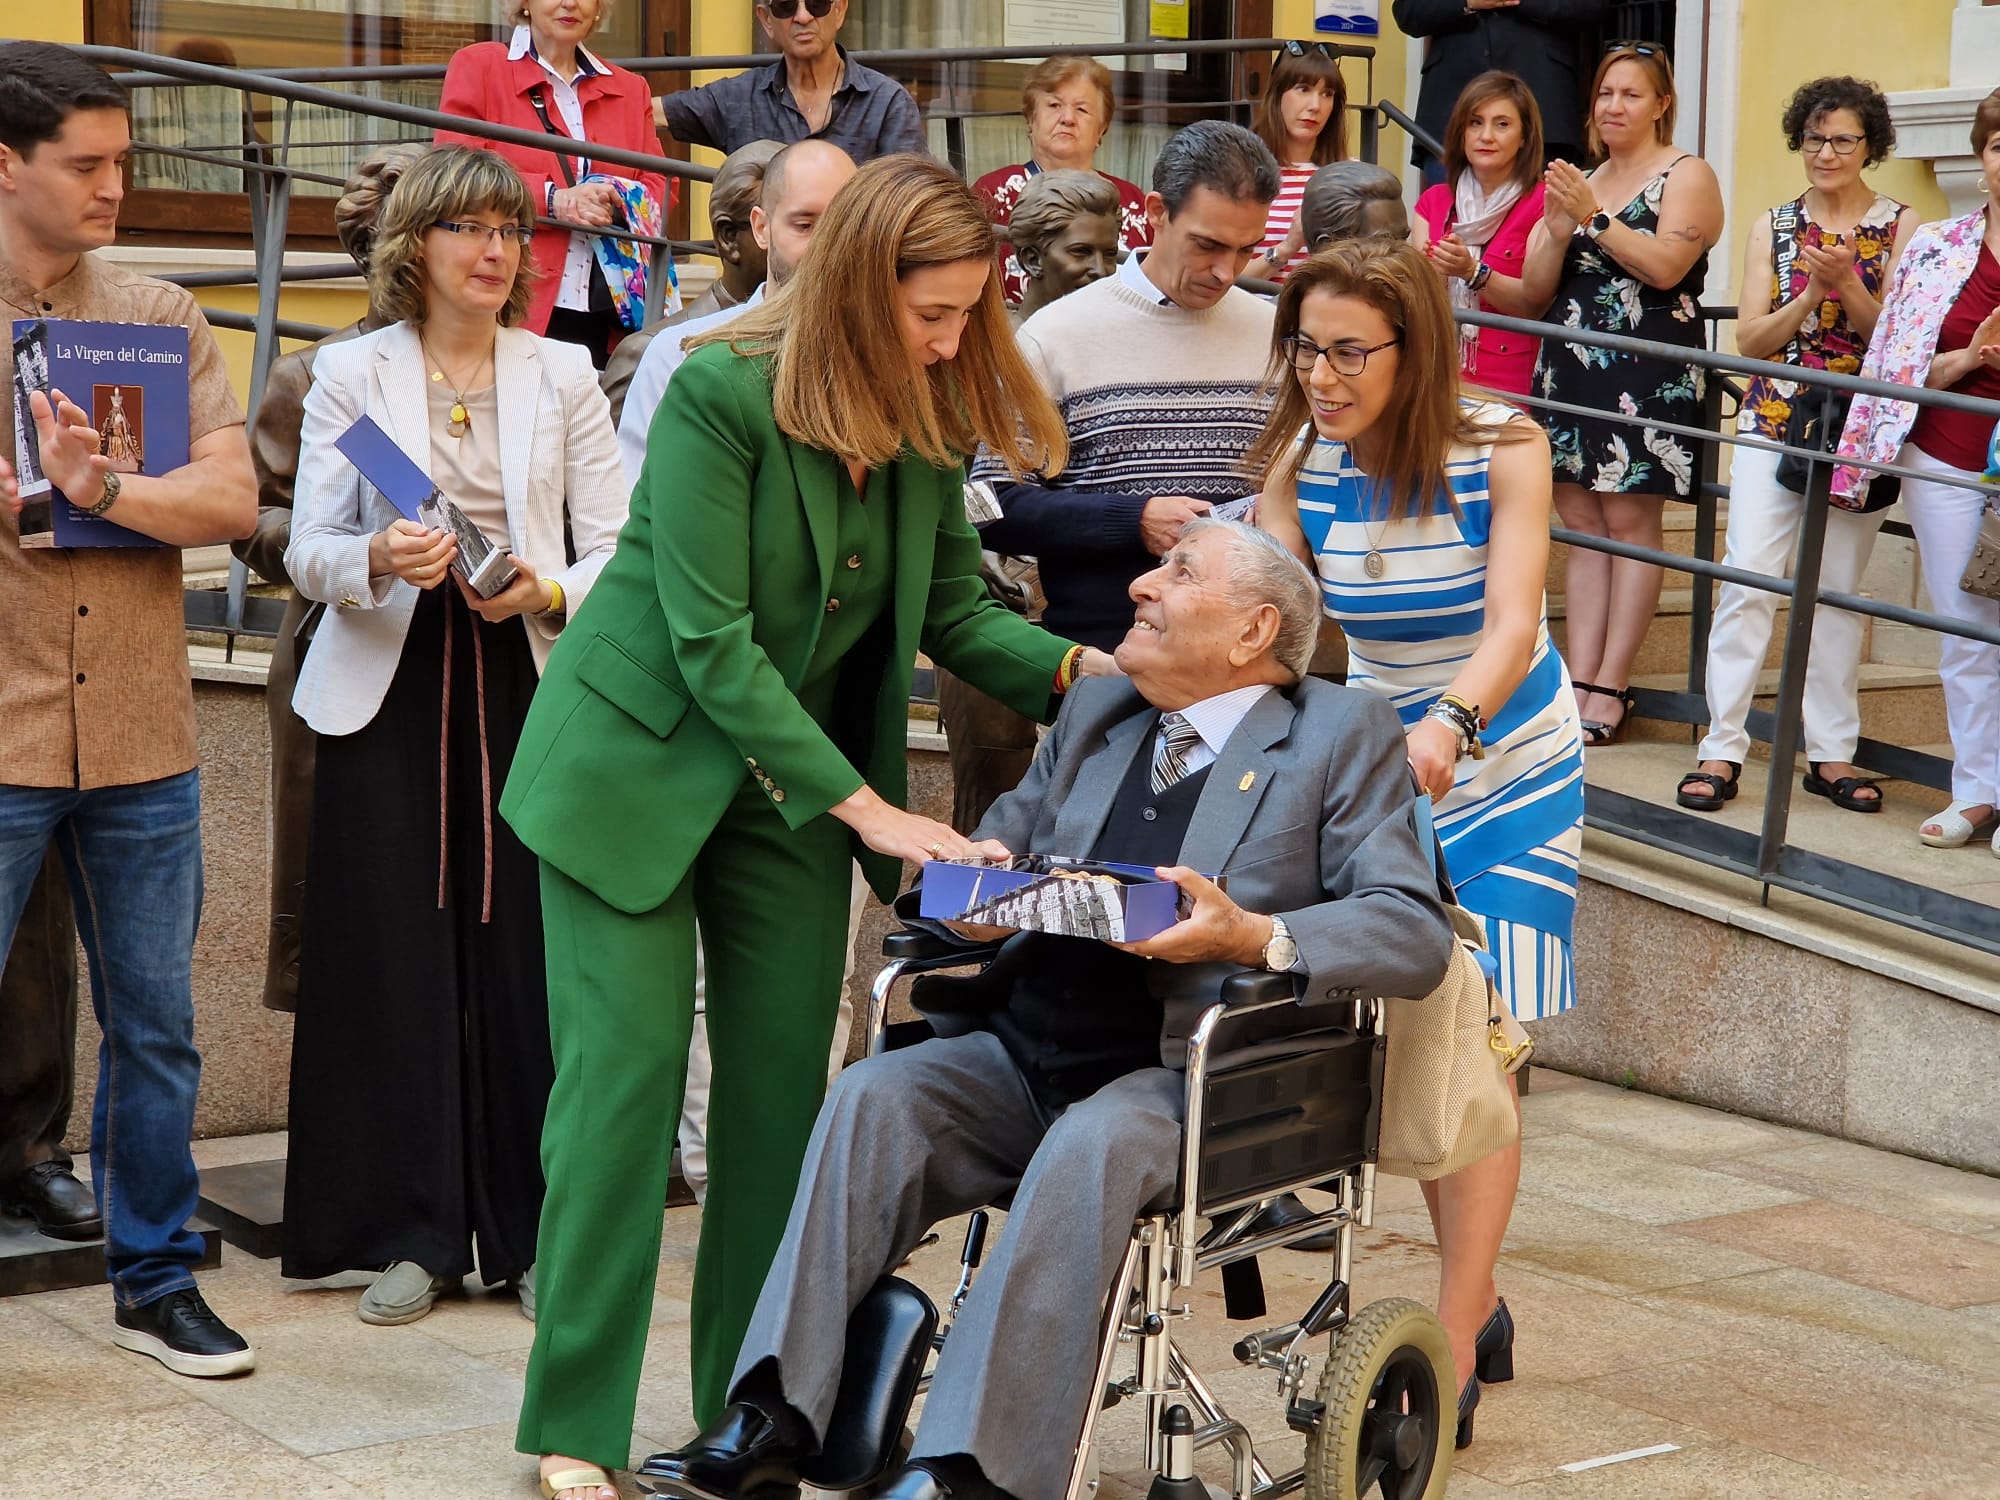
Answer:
x=1386 y=1428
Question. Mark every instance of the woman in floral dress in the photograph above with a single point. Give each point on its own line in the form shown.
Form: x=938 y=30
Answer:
x=1637 y=270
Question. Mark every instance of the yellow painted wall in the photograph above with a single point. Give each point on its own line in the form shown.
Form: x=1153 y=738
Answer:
x=51 y=21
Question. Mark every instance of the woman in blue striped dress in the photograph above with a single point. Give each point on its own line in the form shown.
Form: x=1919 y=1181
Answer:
x=1425 y=514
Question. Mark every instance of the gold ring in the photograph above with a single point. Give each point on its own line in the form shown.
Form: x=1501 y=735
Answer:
x=937 y=849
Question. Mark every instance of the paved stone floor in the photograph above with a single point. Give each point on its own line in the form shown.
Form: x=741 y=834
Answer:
x=1803 y=1319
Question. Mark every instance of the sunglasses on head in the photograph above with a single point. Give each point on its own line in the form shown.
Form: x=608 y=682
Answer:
x=1300 y=49
x=1643 y=49
x=784 y=10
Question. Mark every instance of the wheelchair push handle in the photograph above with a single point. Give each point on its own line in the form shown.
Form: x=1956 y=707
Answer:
x=975 y=1241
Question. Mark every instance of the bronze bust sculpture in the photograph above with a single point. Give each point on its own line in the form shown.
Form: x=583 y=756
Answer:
x=1065 y=235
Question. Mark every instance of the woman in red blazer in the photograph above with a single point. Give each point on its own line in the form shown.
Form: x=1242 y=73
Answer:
x=583 y=96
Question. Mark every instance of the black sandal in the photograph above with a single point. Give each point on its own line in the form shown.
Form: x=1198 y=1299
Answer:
x=1596 y=733
x=1724 y=788
x=1842 y=793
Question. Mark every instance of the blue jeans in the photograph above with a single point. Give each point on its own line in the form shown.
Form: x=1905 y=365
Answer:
x=133 y=854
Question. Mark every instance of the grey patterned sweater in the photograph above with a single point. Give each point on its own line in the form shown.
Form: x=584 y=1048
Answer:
x=1159 y=400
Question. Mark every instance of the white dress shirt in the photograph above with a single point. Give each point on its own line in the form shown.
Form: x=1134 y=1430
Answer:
x=1215 y=720
x=663 y=356
x=1134 y=276
x=573 y=291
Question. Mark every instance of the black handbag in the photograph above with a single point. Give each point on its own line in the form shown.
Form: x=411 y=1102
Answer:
x=1818 y=417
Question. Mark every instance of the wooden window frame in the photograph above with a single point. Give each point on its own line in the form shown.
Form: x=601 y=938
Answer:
x=155 y=216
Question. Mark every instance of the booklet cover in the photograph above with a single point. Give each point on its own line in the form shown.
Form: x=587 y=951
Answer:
x=1113 y=903
x=487 y=568
x=132 y=379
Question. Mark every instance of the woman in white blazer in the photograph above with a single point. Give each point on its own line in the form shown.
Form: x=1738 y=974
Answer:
x=420 y=1056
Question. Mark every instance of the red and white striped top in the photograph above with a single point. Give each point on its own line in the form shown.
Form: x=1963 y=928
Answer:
x=1292 y=180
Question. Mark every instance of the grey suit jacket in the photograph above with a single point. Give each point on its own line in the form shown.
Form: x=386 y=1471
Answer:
x=1310 y=813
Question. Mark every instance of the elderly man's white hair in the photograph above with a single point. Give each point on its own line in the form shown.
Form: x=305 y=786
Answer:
x=1262 y=570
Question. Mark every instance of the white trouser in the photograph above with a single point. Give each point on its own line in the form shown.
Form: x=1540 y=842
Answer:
x=694 y=1102
x=1764 y=520
x=1946 y=521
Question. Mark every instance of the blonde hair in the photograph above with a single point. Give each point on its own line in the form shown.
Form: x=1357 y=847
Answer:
x=1394 y=278
x=446 y=182
x=1651 y=61
x=1051 y=73
x=843 y=379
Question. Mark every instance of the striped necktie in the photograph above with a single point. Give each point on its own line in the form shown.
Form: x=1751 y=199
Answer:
x=1170 y=751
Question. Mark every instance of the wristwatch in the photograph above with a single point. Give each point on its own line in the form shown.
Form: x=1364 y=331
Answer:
x=1481 y=274
x=1597 y=223
x=112 y=485
x=1281 y=953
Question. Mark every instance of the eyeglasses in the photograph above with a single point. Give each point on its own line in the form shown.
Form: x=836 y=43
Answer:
x=1300 y=49
x=1843 y=145
x=1644 y=49
x=520 y=234
x=1346 y=359
x=784 y=10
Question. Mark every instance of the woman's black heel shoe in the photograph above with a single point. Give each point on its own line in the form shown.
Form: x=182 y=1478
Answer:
x=1468 y=1403
x=1493 y=1349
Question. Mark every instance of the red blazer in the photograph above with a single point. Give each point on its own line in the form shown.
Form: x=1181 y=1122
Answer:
x=483 y=84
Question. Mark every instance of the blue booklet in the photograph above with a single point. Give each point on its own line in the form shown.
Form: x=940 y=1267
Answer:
x=131 y=379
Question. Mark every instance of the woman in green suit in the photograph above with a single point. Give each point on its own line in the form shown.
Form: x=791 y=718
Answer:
x=722 y=731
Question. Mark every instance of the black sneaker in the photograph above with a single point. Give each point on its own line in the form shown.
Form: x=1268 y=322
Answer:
x=181 y=1333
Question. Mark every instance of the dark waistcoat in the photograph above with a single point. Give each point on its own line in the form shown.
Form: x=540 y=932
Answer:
x=1079 y=1012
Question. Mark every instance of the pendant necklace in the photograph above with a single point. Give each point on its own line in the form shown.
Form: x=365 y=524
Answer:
x=460 y=419
x=1375 y=564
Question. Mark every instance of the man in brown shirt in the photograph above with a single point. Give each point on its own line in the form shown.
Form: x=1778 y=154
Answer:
x=97 y=732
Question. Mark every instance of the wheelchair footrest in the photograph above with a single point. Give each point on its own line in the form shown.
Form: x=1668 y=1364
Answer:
x=888 y=1337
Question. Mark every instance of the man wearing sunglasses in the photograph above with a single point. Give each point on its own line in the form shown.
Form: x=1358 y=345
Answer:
x=814 y=91
x=1536 y=40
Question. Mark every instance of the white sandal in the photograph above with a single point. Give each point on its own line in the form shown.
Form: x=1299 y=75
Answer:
x=1955 y=829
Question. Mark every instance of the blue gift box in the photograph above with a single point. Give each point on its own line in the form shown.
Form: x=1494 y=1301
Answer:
x=1049 y=894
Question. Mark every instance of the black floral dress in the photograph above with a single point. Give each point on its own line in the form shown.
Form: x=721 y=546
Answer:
x=1602 y=453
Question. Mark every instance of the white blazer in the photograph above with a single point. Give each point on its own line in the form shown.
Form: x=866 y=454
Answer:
x=558 y=453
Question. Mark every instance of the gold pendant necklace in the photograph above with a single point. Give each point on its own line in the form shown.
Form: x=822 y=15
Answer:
x=459 y=418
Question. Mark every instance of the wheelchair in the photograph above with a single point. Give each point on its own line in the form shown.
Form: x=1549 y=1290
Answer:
x=1261 y=1120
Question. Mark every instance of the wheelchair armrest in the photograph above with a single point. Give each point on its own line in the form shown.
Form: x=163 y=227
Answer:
x=1261 y=987
x=915 y=947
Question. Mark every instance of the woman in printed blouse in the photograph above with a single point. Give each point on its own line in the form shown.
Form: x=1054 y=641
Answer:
x=1067 y=102
x=1475 y=224
x=1623 y=250
x=1303 y=119
x=1814 y=272
x=1940 y=328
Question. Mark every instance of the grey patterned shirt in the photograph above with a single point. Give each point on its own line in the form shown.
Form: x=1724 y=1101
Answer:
x=872 y=114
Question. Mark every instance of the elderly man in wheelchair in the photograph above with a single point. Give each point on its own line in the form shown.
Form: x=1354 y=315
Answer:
x=1063 y=1074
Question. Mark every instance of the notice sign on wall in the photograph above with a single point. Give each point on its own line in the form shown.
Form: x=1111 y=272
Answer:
x=1063 y=23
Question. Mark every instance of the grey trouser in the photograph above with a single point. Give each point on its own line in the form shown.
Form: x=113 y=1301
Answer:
x=939 y=1129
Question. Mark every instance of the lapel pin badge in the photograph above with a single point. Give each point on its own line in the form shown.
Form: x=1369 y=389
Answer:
x=1249 y=779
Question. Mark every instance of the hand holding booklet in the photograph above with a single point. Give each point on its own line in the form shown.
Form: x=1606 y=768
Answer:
x=485 y=567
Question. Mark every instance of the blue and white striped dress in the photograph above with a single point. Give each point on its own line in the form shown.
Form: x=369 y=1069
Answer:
x=1512 y=824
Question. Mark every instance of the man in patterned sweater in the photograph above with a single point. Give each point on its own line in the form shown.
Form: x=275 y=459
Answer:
x=1159 y=372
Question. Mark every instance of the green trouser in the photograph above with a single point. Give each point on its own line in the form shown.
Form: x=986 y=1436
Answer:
x=772 y=903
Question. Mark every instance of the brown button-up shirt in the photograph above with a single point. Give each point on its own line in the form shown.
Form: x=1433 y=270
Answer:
x=94 y=687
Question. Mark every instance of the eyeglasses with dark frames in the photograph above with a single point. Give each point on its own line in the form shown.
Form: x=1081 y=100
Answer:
x=1346 y=359
x=520 y=234
x=784 y=10
x=1843 y=145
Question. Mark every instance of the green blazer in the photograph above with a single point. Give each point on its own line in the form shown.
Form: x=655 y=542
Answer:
x=677 y=680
